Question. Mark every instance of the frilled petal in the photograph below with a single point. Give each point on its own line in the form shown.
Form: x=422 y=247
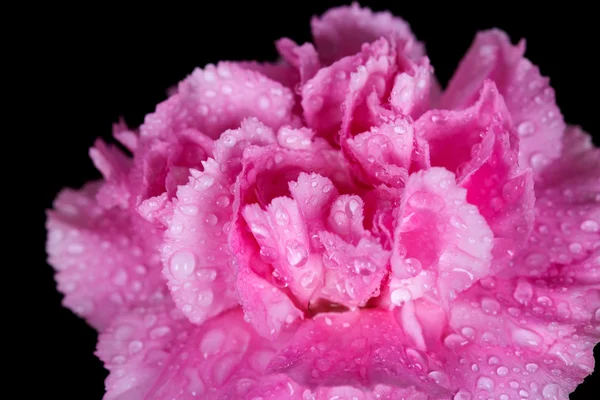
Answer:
x=353 y=274
x=303 y=58
x=195 y=253
x=218 y=98
x=384 y=153
x=527 y=94
x=114 y=166
x=363 y=348
x=525 y=336
x=348 y=81
x=106 y=259
x=412 y=90
x=442 y=244
x=155 y=353
x=342 y=31
x=479 y=144
x=567 y=223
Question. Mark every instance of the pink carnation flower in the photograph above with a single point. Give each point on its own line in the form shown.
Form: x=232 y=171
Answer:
x=334 y=226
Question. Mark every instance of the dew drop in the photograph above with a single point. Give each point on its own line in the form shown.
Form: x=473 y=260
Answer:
x=552 y=391
x=502 y=371
x=485 y=383
x=205 y=298
x=297 y=255
x=425 y=200
x=160 y=331
x=454 y=340
x=526 y=338
x=526 y=128
x=135 y=346
x=523 y=292
x=590 y=226
x=490 y=306
x=182 y=264
x=282 y=217
x=212 y=219
x=223 y=201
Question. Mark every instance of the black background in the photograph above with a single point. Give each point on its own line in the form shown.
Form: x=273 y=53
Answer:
x=103 y=63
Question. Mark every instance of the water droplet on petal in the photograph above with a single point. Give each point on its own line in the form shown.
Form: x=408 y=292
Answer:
x=485 y=383
x=182 y=264
x=590 y=226
x=425 y=200
x=526 y=128
x=523 y=292
x=553 y=392
x=502 y=371
x=205 y=298
x=297 y=255
x=526 y=338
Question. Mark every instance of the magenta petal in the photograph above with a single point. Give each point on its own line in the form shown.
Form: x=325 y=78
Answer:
x=353 y=274
x=384 y=153
x=106 y=259
x=266 y=307
x=442 y=245
x=195 y=254
x=304 y=58
x=527 y=94
x=524 y=335
x=342 y=31
x=218 y=98
x=155 y=353
x=567 y=225
x=366 y=348
x=115 y=167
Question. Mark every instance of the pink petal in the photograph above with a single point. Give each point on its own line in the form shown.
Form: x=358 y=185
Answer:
x=160 y=165
x=369 y=83
x=284 y=243
x=304 y=58
x=346 y=218
x=359 y=348
x=219 y=97
x=527 y=335
x=411 y=91
x=195 y=255
x=266 y=307
x=353 y=274
x=295 y=139
x=280 y=72
x=106 y=259
x=528 y=95
x=348 y=81
x=478 y=143
x=441 y=241
x=384 y=152
x=154 y=353
x=567 y=225
x=342 y=31
x=114 y=166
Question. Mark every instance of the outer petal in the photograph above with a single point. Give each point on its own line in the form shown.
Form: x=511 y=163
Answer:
x=567 y=220
x=362 y=348
x=304 y=58
x=479 y=144
x=442 y=245
x=218 y=98
x=106 y=259
x=342 y=31
x=114 y=166
x=195 y=255
x=528 y=96
x=154 y=353
x=530 y=337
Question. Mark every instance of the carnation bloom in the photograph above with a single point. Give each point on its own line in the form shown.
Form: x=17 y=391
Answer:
x=335 y=226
